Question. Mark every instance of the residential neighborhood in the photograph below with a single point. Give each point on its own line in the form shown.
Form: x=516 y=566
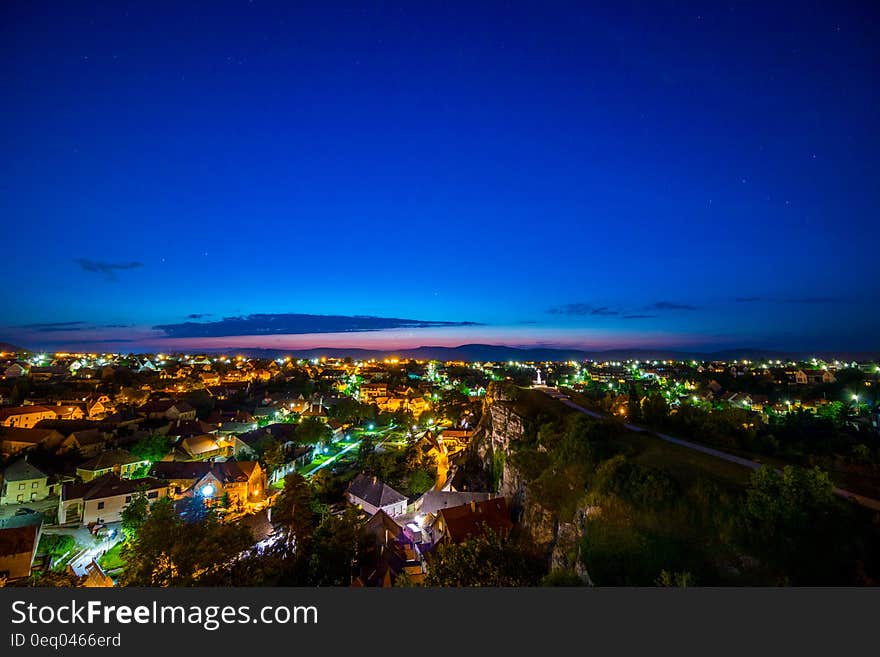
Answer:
x=385 y=447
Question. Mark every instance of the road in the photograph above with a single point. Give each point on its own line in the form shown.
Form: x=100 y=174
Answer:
x=442 y=468
x=867 y=502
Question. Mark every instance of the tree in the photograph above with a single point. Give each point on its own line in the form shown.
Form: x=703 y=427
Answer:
x=202 y=401
x=134 y=515
x=655 y=410
x=312 y=431
x=334 y=550
x=273 y=455
x=484 y=560
x=20 y=390
x=561 y=578
x=792 y=520
x=152 y=448
x=419 y=481
x=170 y=551
x=365 y=450
x=351 y=411
x=670 y=579
x=293 y=512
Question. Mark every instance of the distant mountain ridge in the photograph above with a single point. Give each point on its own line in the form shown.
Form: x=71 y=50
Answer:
x=498 y=353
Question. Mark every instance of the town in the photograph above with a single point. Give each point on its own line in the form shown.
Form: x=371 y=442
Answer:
x=224 y=469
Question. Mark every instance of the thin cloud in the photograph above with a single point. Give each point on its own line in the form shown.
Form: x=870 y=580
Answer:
x=813 y=300
x=198 y=315
x=50 y=327
x=669 y=305
x=108 y=269
x=102 y=341
x=575 y=309
x=803 y=300
x=582 y=309
x=294 y=324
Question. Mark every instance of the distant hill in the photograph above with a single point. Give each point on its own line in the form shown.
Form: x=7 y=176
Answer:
x=500 y=353
x=497 y=353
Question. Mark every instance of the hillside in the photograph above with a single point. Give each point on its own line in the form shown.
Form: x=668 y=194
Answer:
x=619 y=508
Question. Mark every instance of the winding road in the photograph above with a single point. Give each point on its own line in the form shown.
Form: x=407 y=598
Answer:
x=867 y=502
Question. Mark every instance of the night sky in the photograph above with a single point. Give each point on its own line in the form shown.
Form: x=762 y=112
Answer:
x=183 y=175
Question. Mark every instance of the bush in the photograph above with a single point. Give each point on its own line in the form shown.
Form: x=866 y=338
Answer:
x=56 y=545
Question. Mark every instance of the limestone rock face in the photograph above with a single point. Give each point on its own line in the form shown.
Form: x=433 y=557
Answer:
x=488 y=466
x=566 y=554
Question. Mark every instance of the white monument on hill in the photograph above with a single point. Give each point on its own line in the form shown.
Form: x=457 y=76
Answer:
x=538 y=381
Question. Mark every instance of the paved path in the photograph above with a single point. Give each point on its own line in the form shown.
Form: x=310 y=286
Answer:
x=868 y=502
x=382 y=432
x=81 y=561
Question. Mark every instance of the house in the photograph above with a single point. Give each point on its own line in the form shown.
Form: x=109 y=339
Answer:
x=738 y=399
x=19 y=538
x=419 y=405
x=817 y=376
x=99 y=407
x=168 y=409
x=48 y=373
x=199 y=448
x=797 y=377
x=122 y=419
x=759 y=402
x=457 y=524
x=386 y=553
x=96 y=577
x=15 y=371
x=182 y=428
x=116 y=461
x=372 y=495
x=14 y=440
x=69 y=411
x=454 y=439
x=104 y=498
x=26 y=417
x=317 y=411
x=240 y=482
x=434 y=500
x=299 y=405
x=369 y=392
x=24 y=482
x=89 y=442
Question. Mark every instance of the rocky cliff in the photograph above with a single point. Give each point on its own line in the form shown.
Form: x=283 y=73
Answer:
x=487 y=466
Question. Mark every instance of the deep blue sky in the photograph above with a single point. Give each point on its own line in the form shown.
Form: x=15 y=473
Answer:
x=695 y=175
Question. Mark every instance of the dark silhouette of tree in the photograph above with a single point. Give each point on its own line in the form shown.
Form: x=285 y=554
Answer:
x=293 y=513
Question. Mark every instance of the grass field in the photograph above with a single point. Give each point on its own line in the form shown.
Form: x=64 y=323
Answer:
x=684 y=464
x=112 y=560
